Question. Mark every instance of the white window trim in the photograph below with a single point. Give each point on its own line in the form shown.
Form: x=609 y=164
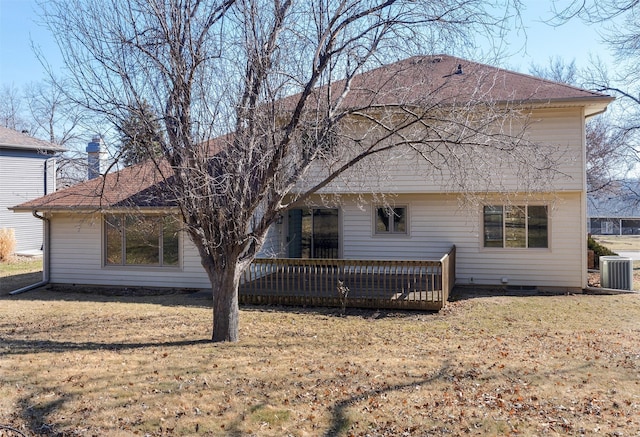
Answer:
x=138 y=267
x=374 y=216
x=505 y=248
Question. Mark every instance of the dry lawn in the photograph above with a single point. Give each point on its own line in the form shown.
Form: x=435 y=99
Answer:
x=17 y=272
x=80 y=364
x=619 y=242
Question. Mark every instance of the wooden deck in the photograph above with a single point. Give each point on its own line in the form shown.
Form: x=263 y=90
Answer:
x=423 y=284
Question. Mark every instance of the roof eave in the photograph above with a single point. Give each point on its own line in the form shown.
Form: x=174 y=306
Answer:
x=593 y=105
x=91 y=210
x=54 y=149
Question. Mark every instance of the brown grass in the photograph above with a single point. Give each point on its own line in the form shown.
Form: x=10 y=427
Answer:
x=619 y=242
x=79 y=364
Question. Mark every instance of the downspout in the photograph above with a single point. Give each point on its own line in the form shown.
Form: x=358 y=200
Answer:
x=45 y=258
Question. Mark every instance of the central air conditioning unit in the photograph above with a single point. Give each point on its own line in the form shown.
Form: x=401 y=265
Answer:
x=616 y=272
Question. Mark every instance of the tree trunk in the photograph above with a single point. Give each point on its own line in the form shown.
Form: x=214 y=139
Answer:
x=224 y=284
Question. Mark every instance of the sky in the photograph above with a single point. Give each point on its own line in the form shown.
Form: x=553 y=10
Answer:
x=573 y=41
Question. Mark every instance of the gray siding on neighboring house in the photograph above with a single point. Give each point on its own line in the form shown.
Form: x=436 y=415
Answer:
x=24 y=175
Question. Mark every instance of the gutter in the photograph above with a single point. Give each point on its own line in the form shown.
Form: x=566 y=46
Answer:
x=45 y=258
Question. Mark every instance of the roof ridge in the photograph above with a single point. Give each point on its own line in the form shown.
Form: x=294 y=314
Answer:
x=532 y=76
x=496 y=68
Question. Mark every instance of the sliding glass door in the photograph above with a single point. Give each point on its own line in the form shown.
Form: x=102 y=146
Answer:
x=313 y=233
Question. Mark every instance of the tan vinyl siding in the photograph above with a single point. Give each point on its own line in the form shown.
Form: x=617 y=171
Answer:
x=436 y=222
x=559 y=131
x=563 y=128
x=439 y=221
x=76 y=258
x=272 y=247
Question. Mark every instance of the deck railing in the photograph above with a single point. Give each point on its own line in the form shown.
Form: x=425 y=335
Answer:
x=411 y=284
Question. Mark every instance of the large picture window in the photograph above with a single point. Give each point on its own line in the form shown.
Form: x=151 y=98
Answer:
x=391 y=220
x=141 y=240
x=519 y=226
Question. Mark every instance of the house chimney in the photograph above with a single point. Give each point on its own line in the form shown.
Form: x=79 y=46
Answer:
x=95 y=155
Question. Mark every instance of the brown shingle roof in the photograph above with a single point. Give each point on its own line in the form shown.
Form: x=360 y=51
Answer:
x=413 y=81
x=138 y=186
x=12 y=139
x=444 y=79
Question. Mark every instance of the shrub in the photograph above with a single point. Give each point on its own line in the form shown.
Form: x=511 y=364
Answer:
x=598 y=248
x=7 y=243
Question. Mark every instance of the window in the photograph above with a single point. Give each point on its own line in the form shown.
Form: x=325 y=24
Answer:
x=606 y=227
x=391 y=220
x=523 y=226
x=141 y=240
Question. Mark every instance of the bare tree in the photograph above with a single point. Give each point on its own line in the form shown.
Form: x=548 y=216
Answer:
x=557 y=70
x=608 y=152
x=11 y=108
x=257 y=104
x=609 y=158
x=619 y=26
x=43 y=111
x=53 y=115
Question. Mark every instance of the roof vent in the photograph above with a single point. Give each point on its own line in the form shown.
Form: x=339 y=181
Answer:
x=436 y=59
x=459 y=70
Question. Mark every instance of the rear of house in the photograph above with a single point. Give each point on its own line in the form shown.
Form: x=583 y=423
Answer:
x=505 y=232
x=503 y=237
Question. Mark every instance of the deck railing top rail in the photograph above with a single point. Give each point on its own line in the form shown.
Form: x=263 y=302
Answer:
x=341 y=261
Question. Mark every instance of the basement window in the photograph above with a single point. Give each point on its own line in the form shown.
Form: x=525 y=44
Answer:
x=141 y=240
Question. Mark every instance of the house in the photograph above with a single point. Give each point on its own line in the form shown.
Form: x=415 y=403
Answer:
x=27 y=170
x=507 y=236
x=615 y=214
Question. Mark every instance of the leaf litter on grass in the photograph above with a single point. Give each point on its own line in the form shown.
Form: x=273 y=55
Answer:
x=543 y=365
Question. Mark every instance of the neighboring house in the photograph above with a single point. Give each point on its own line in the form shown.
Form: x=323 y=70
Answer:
x=27 y=170
x=613 y=214
x=534 y=239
